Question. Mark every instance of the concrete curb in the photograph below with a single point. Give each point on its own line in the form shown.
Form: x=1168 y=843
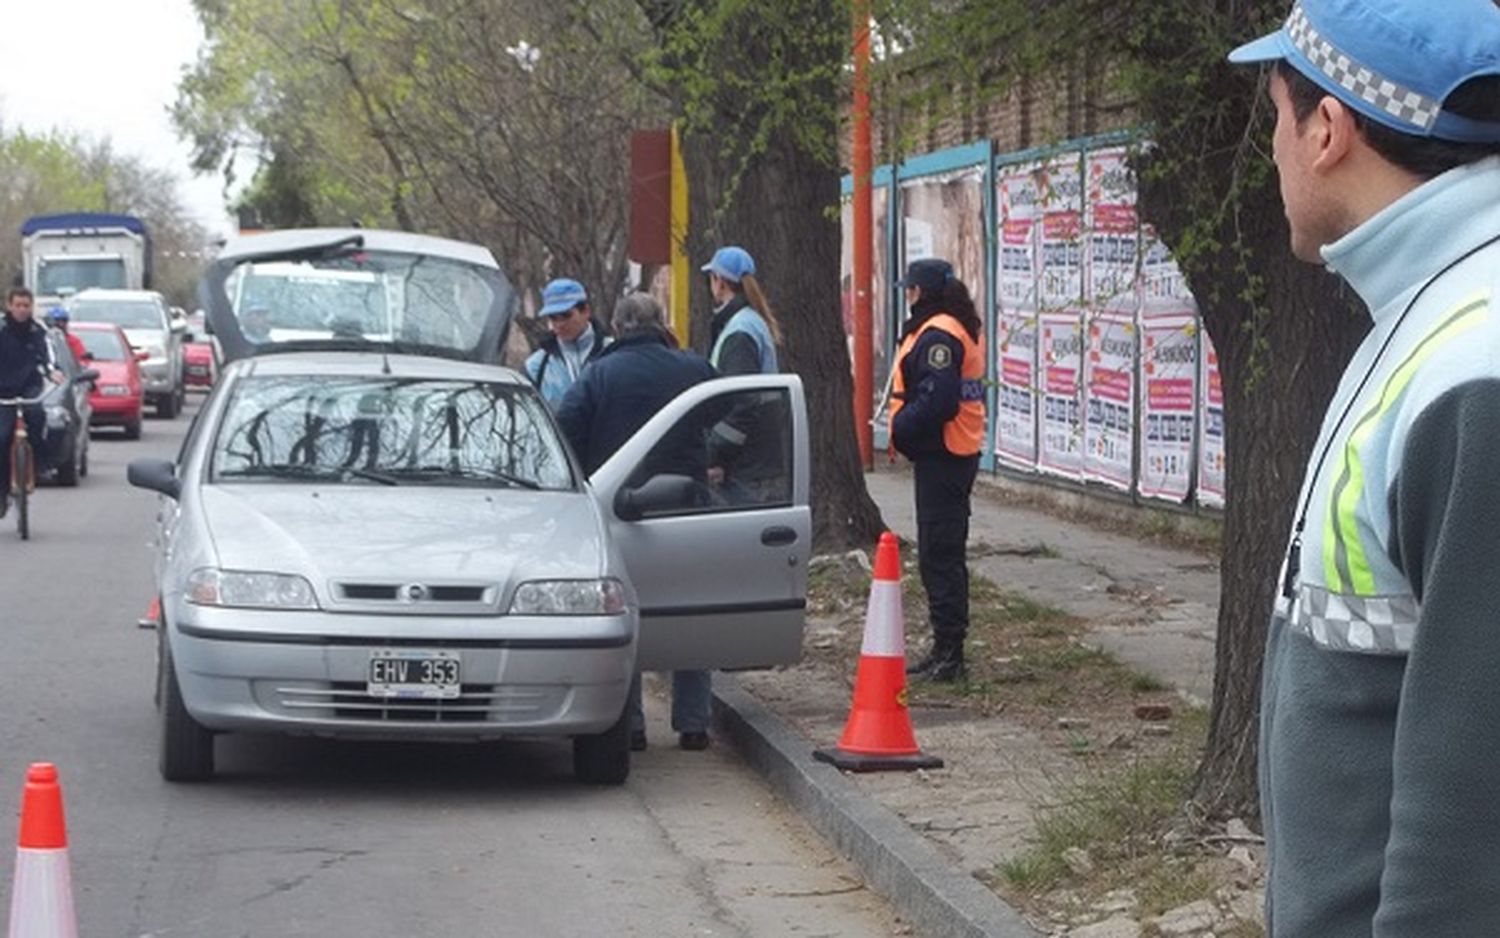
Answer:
x=938 y=900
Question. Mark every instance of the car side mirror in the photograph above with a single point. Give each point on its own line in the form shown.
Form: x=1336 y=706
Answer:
x=141 y=354
x=158 y=475
x=662 y=494
x=88 y=374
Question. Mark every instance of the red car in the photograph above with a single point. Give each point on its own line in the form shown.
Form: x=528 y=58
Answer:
x=200 y=369
x=118 y=397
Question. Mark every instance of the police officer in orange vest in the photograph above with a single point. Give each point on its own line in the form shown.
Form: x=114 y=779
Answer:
x=937 y=421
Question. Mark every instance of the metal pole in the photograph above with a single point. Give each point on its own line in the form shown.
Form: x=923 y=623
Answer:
x=864 y=241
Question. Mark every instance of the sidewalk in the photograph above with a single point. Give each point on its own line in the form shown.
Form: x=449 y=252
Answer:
x=1007 y=753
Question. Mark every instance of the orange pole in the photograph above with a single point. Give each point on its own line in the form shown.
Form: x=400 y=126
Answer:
x=864 y=242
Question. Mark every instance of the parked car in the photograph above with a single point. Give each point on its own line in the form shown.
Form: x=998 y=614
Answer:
x=118 y=398
x=376 y=531
x=147 y=322
x=68 y=414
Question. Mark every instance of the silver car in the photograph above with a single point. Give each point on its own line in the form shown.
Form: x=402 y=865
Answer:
x=153 y=332
x=373 y=531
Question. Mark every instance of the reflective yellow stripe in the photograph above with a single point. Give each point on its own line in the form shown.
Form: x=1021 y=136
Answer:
x=1345 y=564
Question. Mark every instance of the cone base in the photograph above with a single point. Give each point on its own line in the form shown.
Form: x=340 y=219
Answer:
x=865 y=762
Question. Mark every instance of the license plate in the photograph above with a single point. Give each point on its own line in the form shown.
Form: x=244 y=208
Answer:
x=419 y=675
x=198 y=371
x=114 y=390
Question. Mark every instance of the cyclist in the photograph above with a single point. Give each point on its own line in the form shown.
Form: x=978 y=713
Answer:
x=25 y=364
x=57 y=317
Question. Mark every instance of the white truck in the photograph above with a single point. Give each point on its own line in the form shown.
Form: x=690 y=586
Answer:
x=63 y=254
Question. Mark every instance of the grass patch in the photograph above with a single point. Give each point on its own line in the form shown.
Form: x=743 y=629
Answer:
x=1142 y=683
x=1117 y=817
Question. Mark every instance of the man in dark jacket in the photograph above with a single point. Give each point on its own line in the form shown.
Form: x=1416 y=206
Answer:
x=25 y=364
x=613 y=398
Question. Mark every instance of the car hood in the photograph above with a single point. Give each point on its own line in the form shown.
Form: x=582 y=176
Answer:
x=407 y=534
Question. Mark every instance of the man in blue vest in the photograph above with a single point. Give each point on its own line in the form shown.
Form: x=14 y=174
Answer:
x=1380 y=709
x=576 y=340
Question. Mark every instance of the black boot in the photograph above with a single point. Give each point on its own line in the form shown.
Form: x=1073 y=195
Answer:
x=944 y=664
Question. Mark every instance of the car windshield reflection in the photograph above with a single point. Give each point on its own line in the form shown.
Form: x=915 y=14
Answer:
x=389 y=431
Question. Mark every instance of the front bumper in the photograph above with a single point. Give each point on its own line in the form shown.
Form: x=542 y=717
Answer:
x=113 y=410
x=156 y=378
x=305 y=673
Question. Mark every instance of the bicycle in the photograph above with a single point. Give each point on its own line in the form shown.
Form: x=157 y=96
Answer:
x=22 y=463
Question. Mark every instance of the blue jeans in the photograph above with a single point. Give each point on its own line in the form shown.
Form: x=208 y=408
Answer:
x=692 y=702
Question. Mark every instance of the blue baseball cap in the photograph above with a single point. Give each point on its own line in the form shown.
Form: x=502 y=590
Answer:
x=1394 y=61
x=562 y=295
x=931 y=274
x=732 y=263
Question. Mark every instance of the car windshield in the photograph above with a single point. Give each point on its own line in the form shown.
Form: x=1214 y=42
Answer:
x=104 y=346
x=375 y=296
x=127 y=314
x=391 y=431
x=56 y=277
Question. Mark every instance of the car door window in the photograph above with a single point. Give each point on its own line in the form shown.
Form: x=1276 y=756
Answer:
x=735 y=447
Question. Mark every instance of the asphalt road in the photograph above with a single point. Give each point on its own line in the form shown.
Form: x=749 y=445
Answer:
x=307 y=837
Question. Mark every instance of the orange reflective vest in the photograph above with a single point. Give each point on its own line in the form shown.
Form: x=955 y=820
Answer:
x=964 y=434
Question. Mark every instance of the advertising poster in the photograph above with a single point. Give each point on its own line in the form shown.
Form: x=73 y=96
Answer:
x=1169 y=380
x=943 y=217
x=1113 y=234
x=1164 y=290
x=1061 y=203
x=1061 y=364
x=1016 y=264
x=1016 y=415
x=1211 y=424
x=1109 y=390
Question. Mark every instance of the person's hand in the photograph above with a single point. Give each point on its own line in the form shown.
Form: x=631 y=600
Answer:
x=716 y=476
x=56 y=376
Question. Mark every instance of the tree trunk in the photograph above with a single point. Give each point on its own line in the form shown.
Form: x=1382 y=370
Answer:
x=782 y=209
x=1284 y=331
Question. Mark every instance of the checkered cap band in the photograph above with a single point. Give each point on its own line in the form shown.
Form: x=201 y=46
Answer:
x=1409 y=107
x=1367 y=625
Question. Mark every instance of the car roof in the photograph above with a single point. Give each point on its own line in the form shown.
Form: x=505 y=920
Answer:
x=373 y=364
x=375 y=239
x=101 y=293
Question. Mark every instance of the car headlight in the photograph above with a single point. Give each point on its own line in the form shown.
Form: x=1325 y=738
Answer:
x=603 y=597
x=209 y=586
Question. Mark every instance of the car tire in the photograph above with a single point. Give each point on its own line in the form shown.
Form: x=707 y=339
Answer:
x=133 y=429
x=187 y=748
x=66 y=474
x=604 y=758
x=83 y=459
x=167 y=407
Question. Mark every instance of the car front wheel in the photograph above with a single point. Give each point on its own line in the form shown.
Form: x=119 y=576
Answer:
x=187 y=748
x=604 y=758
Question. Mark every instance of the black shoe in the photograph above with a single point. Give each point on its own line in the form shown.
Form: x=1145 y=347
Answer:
x=637 y=740
x=693 y=742
x=943 y=665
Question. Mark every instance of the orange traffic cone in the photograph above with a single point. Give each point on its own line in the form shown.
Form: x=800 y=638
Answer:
x=878 y=736
x=41 y=897
x=152 y=616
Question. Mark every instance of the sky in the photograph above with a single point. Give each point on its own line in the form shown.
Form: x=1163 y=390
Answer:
x=108 y=69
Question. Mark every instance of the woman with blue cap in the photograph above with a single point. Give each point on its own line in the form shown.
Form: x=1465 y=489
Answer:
x=576 y=340
x=937 y=421
x=1380 y=702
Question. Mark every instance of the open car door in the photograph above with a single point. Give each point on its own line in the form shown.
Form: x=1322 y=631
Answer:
x=713 y=524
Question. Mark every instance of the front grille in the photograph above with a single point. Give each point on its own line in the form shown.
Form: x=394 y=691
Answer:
x=476 y=703
x=368 y=591
x=456 y=594
x=416 y=593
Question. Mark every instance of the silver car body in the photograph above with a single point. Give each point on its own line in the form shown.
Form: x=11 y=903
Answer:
x=435 y=570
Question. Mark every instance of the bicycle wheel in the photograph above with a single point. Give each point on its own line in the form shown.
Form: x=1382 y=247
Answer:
x=20 y=471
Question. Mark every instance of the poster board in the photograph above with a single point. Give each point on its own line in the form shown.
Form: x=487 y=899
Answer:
x=1211 y=483
x=1060 y=452
x=1109 y=389
x=1018 y=279
x=1169 y=379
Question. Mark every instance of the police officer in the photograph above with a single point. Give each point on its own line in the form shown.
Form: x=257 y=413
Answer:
x=575 y=341
x=937 y=421
x=1379 y=749
x=746 y=459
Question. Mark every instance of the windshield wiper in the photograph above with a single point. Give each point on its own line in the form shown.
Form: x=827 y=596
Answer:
x=468 y=474
x=309 y=473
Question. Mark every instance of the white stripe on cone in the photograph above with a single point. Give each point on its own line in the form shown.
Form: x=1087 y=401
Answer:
x=41 y=896
x=885 y=631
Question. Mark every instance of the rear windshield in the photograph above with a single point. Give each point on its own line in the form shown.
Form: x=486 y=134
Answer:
x=128 y=314
x=104 y=346
x=390 y=431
